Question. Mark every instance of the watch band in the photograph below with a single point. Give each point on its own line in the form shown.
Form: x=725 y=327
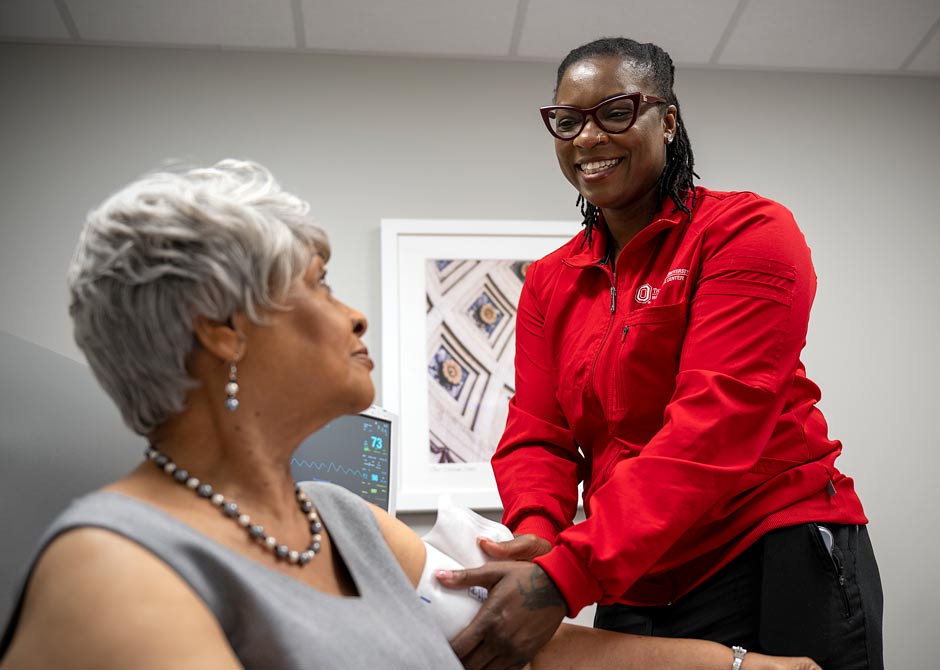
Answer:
x=738 y=657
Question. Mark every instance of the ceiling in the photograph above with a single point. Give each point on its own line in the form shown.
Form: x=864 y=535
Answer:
x=861 y=36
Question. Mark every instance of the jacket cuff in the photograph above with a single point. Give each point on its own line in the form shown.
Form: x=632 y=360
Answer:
x=537 y=525
x=577 y=585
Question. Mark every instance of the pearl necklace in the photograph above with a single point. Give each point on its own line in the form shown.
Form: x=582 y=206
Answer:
x=230 y=509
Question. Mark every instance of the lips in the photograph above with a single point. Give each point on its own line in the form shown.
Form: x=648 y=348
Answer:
x=596 y=166
x=362 y=355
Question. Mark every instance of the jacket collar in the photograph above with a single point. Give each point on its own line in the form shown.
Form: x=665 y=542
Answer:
x=597 y=253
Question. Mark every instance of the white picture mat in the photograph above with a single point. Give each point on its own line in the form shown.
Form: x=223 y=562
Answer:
x=406 y=246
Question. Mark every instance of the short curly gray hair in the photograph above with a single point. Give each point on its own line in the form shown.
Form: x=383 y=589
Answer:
x=170 y=247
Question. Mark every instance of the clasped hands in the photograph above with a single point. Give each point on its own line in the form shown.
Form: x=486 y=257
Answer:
x=522 y=612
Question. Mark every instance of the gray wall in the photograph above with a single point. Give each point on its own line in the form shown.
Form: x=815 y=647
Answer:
x=855 y=157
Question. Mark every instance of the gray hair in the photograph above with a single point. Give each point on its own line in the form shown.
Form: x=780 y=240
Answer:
x=170 y=247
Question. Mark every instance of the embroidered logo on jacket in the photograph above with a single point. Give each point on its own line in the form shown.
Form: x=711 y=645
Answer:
x=679 y=274
x=647 y=293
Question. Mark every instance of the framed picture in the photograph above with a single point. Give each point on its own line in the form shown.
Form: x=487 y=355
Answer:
x=449 y=294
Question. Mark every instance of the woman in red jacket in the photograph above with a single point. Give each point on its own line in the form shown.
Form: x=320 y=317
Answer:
x=658 y=362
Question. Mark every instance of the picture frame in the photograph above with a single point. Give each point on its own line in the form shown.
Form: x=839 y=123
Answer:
x=448 y=324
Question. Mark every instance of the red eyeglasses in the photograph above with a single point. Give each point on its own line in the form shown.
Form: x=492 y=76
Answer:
x=613 y=116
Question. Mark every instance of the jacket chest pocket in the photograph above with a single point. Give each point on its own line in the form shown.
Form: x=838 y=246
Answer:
x=648 y=349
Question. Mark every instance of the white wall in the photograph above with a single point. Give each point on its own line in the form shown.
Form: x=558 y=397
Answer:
x=856 y=158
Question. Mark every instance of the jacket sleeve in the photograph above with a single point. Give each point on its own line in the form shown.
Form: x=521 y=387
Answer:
x=537 y=462
x=746 y=327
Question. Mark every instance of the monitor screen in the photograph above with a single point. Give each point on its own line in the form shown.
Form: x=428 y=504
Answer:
x=355 y=452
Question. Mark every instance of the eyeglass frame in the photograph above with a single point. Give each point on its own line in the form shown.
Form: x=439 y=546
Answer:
x=591 y=112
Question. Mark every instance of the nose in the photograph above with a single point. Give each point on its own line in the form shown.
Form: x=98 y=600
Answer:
x=359 y=322
x=591 y=135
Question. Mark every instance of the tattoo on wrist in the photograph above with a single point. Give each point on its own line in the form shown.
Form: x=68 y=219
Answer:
x=539 y=592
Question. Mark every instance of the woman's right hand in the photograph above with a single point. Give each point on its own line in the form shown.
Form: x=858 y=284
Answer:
x=520 y=548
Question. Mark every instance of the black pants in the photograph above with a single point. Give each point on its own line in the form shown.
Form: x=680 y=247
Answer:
x=790 y=594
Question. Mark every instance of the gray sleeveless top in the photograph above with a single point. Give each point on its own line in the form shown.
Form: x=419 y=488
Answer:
x=272 y=621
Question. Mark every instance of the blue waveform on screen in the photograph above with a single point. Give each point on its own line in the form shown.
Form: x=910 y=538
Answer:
x=329 y=467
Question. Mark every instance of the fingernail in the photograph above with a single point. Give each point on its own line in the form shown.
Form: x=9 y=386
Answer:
x=443 y=574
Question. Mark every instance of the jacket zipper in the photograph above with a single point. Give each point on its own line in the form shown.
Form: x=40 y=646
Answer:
x=613 y=292
x=610 y=323
x=620 y=390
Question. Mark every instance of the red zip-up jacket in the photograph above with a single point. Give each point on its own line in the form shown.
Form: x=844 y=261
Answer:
x=671 y=384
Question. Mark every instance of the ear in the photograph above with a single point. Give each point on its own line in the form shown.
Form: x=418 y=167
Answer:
x=224 y=340
x=671 y=120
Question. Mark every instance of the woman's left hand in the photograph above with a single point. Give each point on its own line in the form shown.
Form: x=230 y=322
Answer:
x=520 y=548
x=522 y=612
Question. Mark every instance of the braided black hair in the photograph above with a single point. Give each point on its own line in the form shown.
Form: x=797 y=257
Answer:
x=676 y=179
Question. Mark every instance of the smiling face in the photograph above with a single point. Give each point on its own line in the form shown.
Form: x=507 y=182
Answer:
x=310 y=361
x=616 y=172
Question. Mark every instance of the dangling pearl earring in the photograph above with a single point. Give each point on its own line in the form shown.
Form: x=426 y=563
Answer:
x=231 y=389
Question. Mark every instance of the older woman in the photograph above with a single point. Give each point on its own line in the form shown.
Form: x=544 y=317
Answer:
x=200 y=300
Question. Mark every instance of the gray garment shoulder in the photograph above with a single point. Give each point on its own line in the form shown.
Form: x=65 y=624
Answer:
x=274 y=621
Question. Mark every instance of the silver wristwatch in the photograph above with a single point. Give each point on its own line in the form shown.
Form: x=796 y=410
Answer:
x=738 y=657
